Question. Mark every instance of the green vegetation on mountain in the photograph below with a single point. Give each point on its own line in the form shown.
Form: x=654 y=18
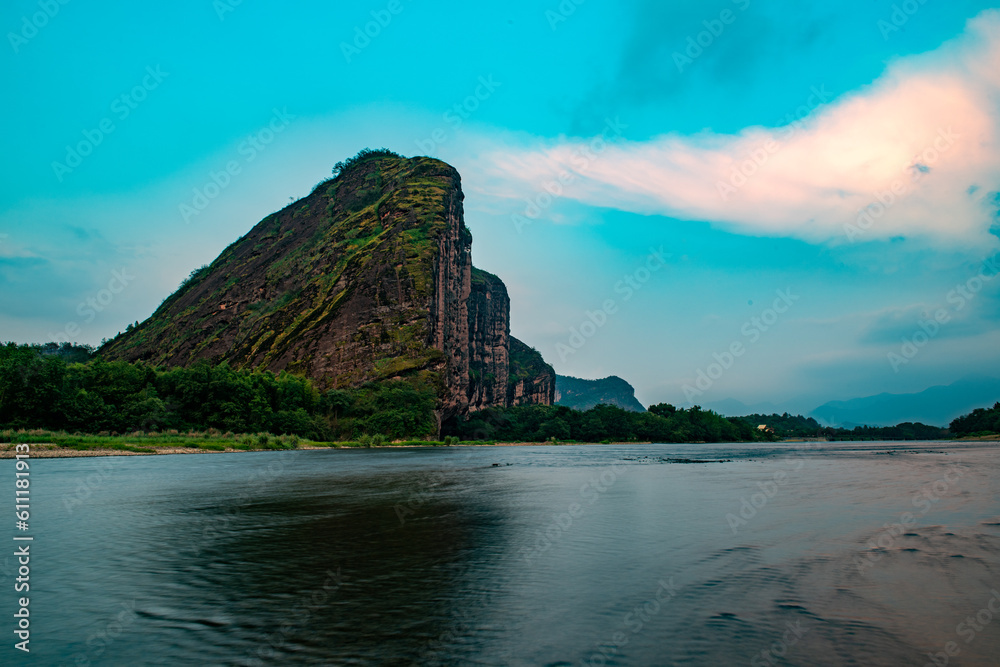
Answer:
x=366 y=281
x=528 y=372
x=341 y=275
x=585 y=394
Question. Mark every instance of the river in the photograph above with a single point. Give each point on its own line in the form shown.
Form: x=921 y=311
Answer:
x=783 y=554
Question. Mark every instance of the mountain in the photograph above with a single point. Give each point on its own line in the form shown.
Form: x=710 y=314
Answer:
x=502 y=369
x=585 y=394
x=730 y=407
x=936 y=406
x=368 y=278
x=531 y=380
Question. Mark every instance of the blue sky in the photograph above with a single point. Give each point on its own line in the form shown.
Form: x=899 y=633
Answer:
x=837 y=104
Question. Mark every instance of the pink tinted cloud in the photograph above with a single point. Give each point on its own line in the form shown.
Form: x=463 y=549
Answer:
x=897 y=158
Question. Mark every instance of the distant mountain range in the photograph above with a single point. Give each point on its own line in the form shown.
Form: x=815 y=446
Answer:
x=936 y=406
x=585 y=394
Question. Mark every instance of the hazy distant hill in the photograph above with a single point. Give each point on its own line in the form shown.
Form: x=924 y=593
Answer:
x=585 y=394
x=730 y=407
x=936 y=405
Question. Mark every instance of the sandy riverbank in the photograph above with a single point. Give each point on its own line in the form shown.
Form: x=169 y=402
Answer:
x=52 y=451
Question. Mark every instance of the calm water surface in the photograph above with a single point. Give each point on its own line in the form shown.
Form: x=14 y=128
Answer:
x=790 y=554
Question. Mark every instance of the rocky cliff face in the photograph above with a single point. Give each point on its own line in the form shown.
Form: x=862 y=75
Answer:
x=531 y=380
x=489 y=341
x=368 y=278
x=449 y=311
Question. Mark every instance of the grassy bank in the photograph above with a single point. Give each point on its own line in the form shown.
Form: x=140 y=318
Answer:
x=148 y=443
x=173 y=442
x=62 y=444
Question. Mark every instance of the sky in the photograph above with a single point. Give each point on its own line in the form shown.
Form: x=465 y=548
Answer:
x=778 y=203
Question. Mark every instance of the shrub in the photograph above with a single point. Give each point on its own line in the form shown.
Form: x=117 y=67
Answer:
x=377 y=440
x=363 y=155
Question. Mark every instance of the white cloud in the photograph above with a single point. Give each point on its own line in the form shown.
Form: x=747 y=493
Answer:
x=923 y=138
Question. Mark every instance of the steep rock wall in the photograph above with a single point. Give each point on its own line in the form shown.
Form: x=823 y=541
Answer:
x=449 y=309
x=531 y=380
x=489 y=341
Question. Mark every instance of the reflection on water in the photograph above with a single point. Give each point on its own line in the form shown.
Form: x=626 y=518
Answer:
x=830 y=554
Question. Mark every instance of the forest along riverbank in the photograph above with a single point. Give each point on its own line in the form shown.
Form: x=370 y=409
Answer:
x=54 y=451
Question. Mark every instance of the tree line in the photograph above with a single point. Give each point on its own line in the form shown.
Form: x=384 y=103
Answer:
x=67 y=388
x=797 y=426
x=660 y=423
x=70 y=388
x=981 y=421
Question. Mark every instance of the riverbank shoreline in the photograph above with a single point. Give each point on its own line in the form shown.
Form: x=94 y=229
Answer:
x=54 y=451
